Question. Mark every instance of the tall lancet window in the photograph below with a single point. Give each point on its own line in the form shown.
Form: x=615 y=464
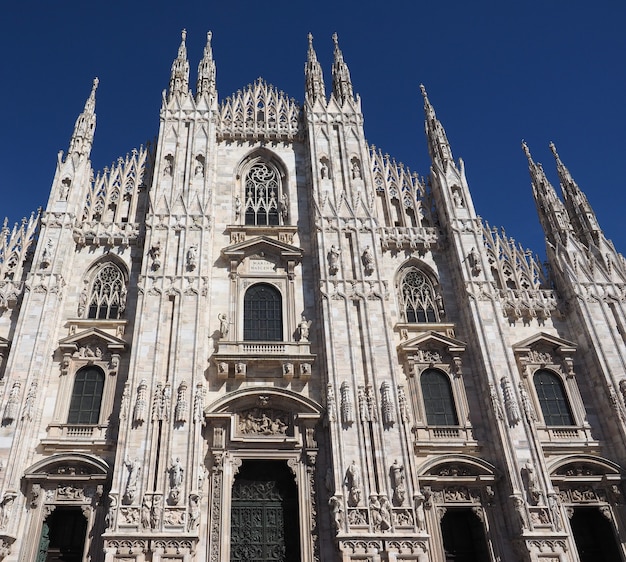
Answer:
x=420 y=301
x=107 y=296
x=262 y=194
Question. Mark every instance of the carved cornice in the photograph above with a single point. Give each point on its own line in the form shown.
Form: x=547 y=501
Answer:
x=354 y=289
x=95 y=233
x=422 y=239
x=173 y=285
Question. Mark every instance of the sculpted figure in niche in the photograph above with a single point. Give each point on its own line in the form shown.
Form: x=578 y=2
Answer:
x=534 y=491
x=6 y=507
x=520 y=510
x=333 y=260
x=134 y=468
x=145 y=513
x=337 y=512
x=303 y=327
x=353 y=483
x=385 y=513
x=194 y=513
x=176 y=474
x=223 y=324
x=109 y=518
x=324 y=172
x=420 y=516
x=169 y=165
x=46 y=256
x=474 y=261
x=458 y=200
x=553 y=504
x=397 y=483
x=155 y=255
x=157 y=510
x=284 y=207
x=368 y=260
x=192 y=256
x=65 y=189
x=356 y=169
x=375 y=513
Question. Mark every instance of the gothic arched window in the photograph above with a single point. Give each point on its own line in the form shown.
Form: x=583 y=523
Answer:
x=438 y=399
x=551 y=394
x=86 y=396
x=107 y=295
x=420 y=302
x=263 y=313
x=262 y=195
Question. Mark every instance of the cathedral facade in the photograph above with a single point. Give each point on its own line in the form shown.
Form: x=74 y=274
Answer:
x=261 y=339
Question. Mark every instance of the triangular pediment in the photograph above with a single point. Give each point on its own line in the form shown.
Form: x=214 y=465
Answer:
x=75 y=341
x=545 y=341
x=262 y=245
x=432 y=340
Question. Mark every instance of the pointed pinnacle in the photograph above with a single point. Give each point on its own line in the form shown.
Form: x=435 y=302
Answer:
x=182 y=48
x=553 y=149
x=428 y=108
x=90 y=104
x=311 y=53
x=527 y=151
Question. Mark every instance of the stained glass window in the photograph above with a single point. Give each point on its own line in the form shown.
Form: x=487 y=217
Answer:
x=418 y=296
x=107 y=296
x=262 y=186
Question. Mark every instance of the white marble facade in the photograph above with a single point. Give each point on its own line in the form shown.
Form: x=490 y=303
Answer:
x=410 y=369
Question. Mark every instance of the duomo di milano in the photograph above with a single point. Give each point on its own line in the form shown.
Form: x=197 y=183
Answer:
x=261 y=339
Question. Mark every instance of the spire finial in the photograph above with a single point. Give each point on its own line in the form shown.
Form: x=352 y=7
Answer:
x=342 y=84
x=314 y=78
x=581 y=214
x=438 y=145
x=206 y=71
x=85 y=126
x=552 y=213
x=553 y=150
x=179 y=78
x=526 y=151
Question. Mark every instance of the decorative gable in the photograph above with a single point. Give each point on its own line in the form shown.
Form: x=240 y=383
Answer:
x=432 y=349
x=92 y=346
x=264 y=253
x=545 y=351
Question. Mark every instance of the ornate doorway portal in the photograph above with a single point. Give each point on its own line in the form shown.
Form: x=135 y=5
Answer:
x=264 y=514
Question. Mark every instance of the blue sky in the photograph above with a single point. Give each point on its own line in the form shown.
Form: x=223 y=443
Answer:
x=496 y=72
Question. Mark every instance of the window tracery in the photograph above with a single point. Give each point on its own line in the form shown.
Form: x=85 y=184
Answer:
x=262 y=195
x=106 y=298
x=420 y=302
